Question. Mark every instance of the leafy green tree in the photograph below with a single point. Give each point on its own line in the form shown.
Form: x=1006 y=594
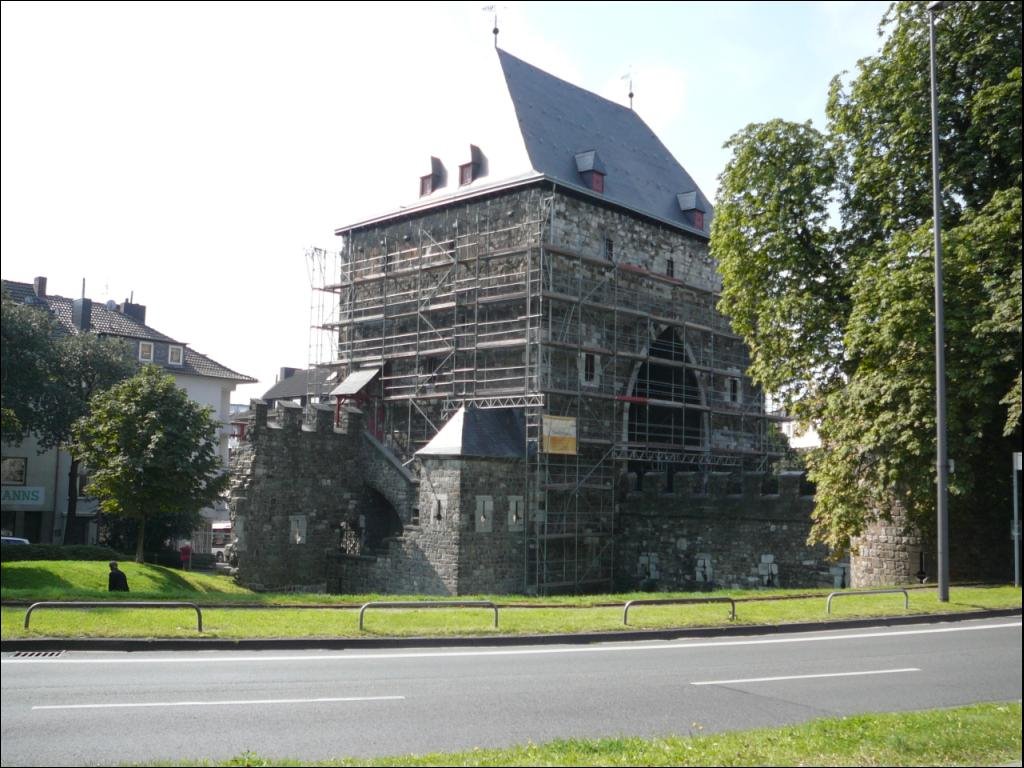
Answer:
x=838 y=309
x=86 y=364
x=151 y=451
x=28 y=359
x=49 y=377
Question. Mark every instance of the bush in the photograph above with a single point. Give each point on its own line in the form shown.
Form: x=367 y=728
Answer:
x=12 y=552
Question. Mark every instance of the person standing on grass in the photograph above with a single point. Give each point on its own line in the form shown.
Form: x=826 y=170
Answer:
x=117 y=582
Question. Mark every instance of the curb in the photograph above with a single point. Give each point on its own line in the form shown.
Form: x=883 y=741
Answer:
x=355 y=643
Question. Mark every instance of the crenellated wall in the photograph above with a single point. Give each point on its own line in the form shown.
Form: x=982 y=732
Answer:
x=695 y=537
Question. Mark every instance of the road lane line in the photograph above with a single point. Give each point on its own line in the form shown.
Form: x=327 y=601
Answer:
x=631 y=647
x=806 y=677
x=218 y=703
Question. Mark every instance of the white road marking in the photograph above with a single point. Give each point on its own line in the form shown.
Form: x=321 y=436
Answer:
x=807 y=677
x=357 y=655
x=216 y=703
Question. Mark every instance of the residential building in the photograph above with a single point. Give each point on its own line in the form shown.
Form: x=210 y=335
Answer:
x=35 y=496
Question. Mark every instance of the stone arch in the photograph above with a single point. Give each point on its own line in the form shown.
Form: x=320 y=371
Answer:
x=671 y=386
x=379 y=521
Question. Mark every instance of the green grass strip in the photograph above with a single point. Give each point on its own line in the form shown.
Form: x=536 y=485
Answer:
x=981 y=734
x=325 y=616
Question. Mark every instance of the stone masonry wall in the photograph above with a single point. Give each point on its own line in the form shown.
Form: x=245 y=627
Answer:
x=492 y=527
x=887 y=554
x=683 y=540
x=466 y=539
x=291 y=488
x=424 y=559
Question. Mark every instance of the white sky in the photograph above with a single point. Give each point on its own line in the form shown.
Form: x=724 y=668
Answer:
x=188 y=154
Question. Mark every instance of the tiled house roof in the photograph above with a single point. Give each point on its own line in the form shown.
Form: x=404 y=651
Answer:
x=105 y=321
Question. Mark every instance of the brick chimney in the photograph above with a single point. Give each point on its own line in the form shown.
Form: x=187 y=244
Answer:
x=136 y=312
x=81 y=314
x=39 y=286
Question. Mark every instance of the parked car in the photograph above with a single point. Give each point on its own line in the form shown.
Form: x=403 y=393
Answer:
x=14 y=540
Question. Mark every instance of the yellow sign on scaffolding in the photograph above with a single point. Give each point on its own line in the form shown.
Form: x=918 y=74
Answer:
x=559 y=434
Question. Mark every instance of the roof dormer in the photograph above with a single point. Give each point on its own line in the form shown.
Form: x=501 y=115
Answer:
x=436 y=179
x=475 y=168
x=591 y=170
x=692 y=208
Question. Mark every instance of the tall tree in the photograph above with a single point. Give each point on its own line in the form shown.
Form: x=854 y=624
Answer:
x=86 y=364
x=838 y=309
x=48 y=378
x=28 y=360
x=151 y=451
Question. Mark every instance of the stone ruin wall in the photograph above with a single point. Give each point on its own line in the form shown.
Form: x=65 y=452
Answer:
x=690 y=538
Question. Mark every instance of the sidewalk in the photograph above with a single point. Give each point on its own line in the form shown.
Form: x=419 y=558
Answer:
x=41 y=645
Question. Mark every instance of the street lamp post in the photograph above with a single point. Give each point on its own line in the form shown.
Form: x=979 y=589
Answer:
x=942 y=458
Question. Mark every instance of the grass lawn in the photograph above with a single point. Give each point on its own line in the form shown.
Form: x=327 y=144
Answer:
x=81 y=580
x=982 y=734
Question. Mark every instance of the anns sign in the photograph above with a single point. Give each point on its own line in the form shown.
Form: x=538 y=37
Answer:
x=25 y=495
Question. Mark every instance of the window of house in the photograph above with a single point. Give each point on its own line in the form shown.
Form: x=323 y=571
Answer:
x=15 y=470
x=465 y=174
x=609 y=248
x=589 y=368
x=597 y=182
x=175 y=355
x=146 y=351
x=698 y=219
x=670 y=268
x=734 y=390
x=426 y=185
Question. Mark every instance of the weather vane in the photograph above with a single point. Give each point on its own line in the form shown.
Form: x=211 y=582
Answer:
x=493 y=9
x=629 y=76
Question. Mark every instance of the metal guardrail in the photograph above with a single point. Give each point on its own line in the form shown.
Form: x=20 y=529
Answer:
x=113 y=604
x=906 y=597
x=431 y=604
x=679 y=601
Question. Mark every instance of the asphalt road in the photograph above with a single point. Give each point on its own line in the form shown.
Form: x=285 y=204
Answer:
x=88 y=708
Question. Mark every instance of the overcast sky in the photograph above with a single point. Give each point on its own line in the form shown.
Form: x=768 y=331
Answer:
x=189 y=154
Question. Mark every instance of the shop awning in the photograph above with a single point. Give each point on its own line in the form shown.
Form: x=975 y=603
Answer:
x=355 y=382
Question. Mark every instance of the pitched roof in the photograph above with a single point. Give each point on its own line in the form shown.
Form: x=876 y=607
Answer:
x=559 y=130
x=559 y=121
x=296 y=385
x=111 y=322
x=498 y=433
x=200 y=365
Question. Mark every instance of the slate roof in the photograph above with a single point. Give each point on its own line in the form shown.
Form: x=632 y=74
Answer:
x=295 y=385
x=557 y=122
x=497 y=433
x=111 y=322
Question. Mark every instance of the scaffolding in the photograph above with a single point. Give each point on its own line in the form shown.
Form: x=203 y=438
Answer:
x=497 y=304
x=322 y=267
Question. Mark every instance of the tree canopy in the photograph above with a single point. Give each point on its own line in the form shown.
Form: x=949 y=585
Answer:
x=49 y=376
x=28 y=358
x=151 y=451
x=825 y=245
